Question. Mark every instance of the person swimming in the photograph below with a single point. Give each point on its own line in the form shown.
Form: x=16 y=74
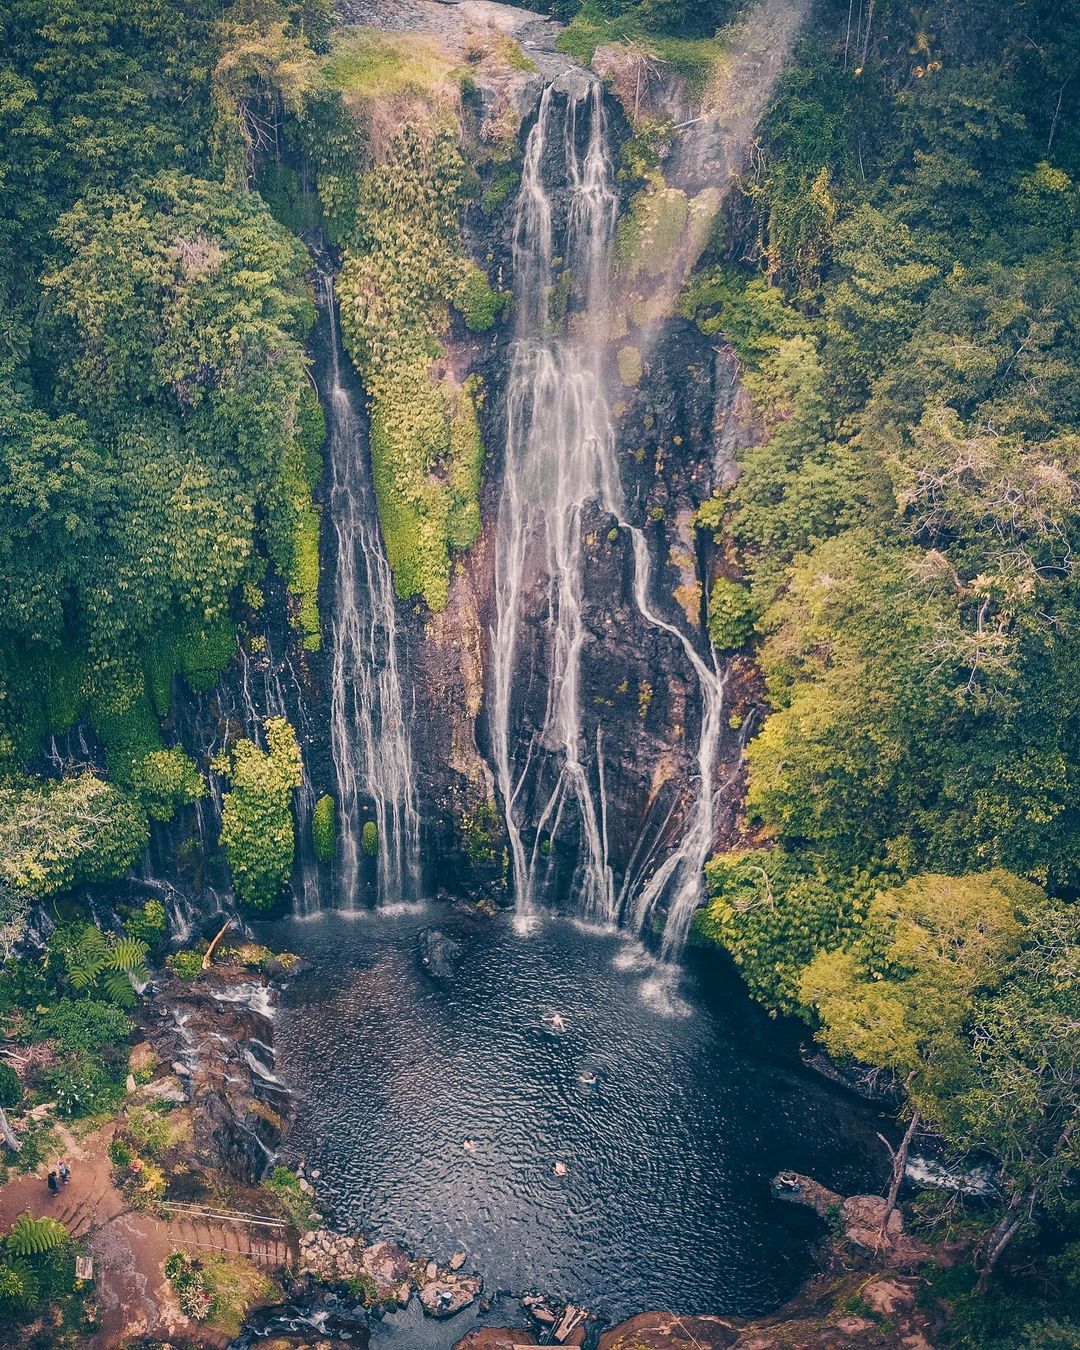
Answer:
x=589 y=1079
x=469 y=1146
x=559 y=1168
x=556 y=1021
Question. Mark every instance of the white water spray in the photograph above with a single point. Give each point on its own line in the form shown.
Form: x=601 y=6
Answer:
x=560 y=458
x=371 y=744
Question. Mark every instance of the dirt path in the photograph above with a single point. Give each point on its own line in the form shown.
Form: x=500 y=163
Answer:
x=129 y=1247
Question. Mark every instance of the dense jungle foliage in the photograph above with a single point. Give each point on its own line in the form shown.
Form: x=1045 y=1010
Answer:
x=897 y=272
x=898 y=276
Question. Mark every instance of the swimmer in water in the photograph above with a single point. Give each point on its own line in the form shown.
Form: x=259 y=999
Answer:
x=469 y=1146
x=556 y=1022
x=589 y=1079
x=560 y=1169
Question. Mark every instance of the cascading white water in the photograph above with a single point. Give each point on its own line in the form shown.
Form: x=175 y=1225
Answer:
x=559 y=442
x=369 y=737
x=560 y=457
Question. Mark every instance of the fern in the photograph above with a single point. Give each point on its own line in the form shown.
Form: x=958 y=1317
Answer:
x=31 y=1237
x=119 y=962
x=86 y=955
x=129 y=955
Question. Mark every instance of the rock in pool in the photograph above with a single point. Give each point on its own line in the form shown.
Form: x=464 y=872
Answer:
x=438 y=954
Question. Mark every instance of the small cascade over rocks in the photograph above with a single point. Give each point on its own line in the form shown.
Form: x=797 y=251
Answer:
x=370 y=741
x=560 y=464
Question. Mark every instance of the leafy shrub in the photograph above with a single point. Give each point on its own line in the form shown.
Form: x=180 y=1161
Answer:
x=324 y=828
x=83 y=1086
x=167 y=780
x=284 y=1185
x=11 y=1089
x=57 y=835
x=192 y=1293
x=731 y=614
x=186 y=964
x=120 y=1154
x=145 y=1183
x=85 y=1026
x=257 y=828
x=369 y=838
x=146 y=924
x=148 y=1131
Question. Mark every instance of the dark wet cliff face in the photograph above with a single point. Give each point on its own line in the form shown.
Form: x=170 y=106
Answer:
x=676 y=425
x=677 y=432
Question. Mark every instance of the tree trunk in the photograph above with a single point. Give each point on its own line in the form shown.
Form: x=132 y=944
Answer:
x=899 y=1167
x=7 y=1133
x=1000 y=1237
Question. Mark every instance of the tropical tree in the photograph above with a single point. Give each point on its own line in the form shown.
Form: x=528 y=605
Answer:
x=903 y=995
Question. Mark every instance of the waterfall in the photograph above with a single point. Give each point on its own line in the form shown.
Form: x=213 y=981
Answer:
x=369 y=738
x=560 y=458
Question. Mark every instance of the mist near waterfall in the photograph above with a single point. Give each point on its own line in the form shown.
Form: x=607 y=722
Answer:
x=561 y=456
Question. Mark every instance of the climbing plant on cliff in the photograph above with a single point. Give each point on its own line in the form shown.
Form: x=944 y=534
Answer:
x=257 y=828
x=404 y=268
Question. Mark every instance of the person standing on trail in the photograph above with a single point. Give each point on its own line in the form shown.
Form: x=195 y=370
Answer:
x=54 y=1185
x=65 y=1172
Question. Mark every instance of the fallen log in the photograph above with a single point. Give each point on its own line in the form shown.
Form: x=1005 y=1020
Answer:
x=210 y=950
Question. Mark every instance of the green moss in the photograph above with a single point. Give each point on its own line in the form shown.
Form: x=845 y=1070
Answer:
x=651 y=231
x=369 y=838
x=501 y=188
x=694 y=59
x=293 y=528
x=377 y=72
x=478 y=303
x=122 y=717
x=324 y=829
x=197 y=653
x=631 y=366
x=403 y=270
x=166 y=780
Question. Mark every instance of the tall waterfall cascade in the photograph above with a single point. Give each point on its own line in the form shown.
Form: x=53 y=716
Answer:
x=369 y=733
x=560 y=459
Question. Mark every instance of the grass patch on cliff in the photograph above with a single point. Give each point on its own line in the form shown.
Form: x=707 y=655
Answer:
x=390 y=80
x=692 y=59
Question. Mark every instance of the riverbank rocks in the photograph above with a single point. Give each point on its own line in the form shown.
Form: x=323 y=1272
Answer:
x=389 y=1268
x=496 y=1338
x=332 y=1256
x=859 y=1216
x=660 y=1331
x=445 y=1296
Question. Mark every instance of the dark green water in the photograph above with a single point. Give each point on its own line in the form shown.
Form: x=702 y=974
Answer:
x=666 y=1203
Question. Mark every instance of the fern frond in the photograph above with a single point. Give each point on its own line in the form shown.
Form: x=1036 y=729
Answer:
x=31 y=1237
x=86 y=956
x=129 y=954
x=119 y=988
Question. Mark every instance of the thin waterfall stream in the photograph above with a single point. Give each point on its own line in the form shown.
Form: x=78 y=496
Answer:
x=372 y=749
x=561 y=457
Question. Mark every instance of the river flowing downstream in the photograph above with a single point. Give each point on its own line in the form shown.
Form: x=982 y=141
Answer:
x=669 y=1153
